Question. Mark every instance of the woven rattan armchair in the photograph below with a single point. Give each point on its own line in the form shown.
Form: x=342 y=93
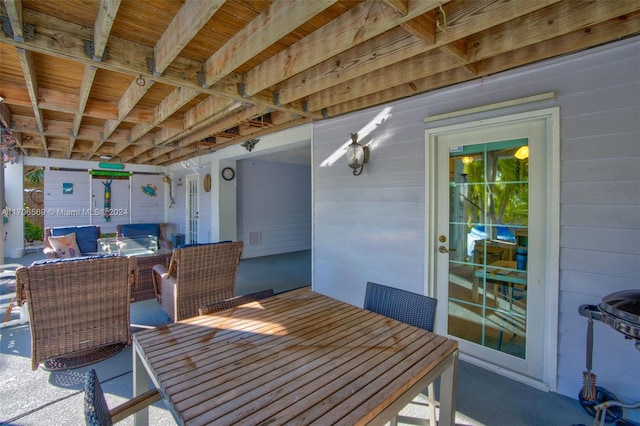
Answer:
x=198 y=275
x=235 y=301
x=77 y=307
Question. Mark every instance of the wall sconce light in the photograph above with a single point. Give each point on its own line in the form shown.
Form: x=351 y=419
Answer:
x=522 y=152
x=357 y=155
x=248 y=145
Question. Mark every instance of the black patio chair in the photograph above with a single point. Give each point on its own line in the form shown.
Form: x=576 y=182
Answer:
x=96 y=410
x=411 y=308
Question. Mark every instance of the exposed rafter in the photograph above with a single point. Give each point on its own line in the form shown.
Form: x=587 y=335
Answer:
x=159 y=82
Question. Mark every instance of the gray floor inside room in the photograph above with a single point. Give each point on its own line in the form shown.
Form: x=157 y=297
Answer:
x=56 y=398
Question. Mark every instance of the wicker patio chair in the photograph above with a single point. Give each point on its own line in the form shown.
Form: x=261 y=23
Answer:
x=411 y=308
x=235 y=301
x=96 y=410
x=78 y=309
x=198 y=275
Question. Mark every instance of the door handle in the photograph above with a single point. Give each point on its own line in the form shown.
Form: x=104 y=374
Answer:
x=443 y=249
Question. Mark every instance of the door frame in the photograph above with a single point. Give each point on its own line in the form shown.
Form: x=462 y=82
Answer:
x=192 y=178
x=552 y=234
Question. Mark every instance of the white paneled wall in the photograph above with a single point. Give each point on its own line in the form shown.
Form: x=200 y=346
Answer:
x=372 y=227
x=145 y=207
x=120 y=206
x=85 y=205
x=273 y=207
x=67 y=209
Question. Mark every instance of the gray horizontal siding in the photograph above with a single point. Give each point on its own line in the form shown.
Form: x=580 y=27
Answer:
x=371 y=227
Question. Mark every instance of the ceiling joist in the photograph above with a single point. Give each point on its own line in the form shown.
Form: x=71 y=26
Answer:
x=159 y=82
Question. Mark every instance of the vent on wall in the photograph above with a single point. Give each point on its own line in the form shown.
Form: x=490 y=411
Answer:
x=255 y=238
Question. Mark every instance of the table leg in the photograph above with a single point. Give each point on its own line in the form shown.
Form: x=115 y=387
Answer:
x=140 y=385
x=448 y=390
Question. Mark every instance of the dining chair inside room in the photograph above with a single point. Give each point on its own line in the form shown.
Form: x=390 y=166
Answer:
x=235 y=301
x=411 y=308
x=96 y=410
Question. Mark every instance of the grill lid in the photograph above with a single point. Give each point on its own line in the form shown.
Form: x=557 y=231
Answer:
x=623 y=304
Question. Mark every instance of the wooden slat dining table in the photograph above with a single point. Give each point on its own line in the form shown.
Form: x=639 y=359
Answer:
x=297 y=358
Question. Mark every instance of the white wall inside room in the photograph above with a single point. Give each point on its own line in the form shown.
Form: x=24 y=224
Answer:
x=372 y=227
x=273 y=206
x=220 y=205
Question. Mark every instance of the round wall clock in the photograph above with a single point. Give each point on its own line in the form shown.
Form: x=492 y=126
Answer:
x=228 y=173
x=207 y=182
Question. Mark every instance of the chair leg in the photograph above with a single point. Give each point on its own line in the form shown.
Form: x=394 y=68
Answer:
x=432 y=404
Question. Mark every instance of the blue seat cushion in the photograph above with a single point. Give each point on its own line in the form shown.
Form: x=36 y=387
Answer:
x=86 y=236
x=140 y=230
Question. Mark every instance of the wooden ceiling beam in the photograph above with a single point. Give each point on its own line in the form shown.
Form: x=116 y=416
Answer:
x=422 y=66
x=396 y=46
x=578 y=39
x=279 y=19
x=191 y=17
x=5 y=119
x=393 y=46
x=55 y=100
x=231 y=120
x=357 y=25
x=401 y=7
x=88 y=76
x=107 y=11
x=63 y=39
x=235 y=141
x=418 y=66
x=544 y=24
x=5 y=115
x=189 y=20
x=136 y=90
x=165 y=109
x=14 y=11
x=422 y=27
x=458 y=50
x=207 y=113
x=28 y=69
x=18 y=139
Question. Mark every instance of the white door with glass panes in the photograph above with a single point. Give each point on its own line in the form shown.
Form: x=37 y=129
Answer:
x=490 y=240
x=192 y=209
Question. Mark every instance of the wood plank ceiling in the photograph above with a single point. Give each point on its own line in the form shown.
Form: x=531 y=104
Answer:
x=160 y=81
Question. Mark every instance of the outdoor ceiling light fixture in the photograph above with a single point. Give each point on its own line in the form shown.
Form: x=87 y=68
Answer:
x=248 y=145
x=357 y=155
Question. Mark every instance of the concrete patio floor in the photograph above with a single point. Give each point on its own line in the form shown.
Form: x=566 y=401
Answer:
x=30 y=398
